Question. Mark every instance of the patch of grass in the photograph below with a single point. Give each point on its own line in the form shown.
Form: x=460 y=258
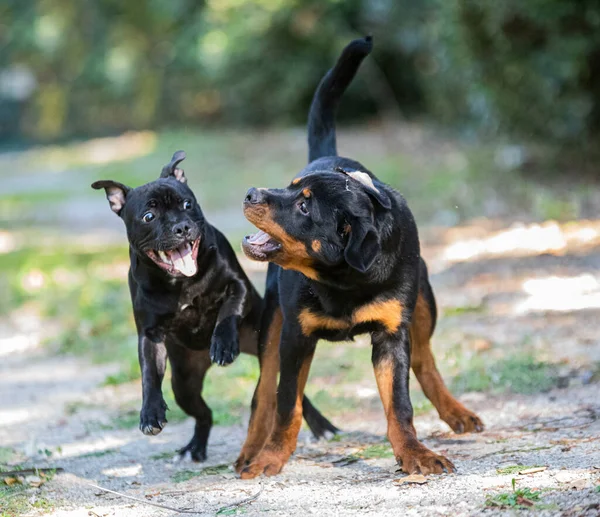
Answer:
x=186 y=475
x=6 y=455
x=519 y=498
x=129 y=371
x=18 y=499
x=466 y=309
x=98 y=454
x=598 y=488
x=167 y=455
x=126 y=420
x=380 y=450
x=420 y=407
x=518 y=374
x=515 y=469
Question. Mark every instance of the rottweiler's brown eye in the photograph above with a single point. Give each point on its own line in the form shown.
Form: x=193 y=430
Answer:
x=302 y=207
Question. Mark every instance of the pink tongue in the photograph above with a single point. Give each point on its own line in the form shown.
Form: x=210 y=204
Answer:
x=183 y=261
x=259 y=238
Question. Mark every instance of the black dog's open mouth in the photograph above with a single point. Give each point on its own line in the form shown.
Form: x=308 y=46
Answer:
x=181 y=260
x=260 y=246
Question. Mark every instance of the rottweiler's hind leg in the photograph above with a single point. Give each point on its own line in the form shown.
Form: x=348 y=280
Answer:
x=451 y=411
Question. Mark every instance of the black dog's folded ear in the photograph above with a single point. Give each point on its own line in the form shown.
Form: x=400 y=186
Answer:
x=366 y=181
x=171 y=168
x=363 y=246
x=116 y=193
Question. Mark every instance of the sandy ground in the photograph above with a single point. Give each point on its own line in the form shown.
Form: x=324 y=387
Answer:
x=558 y=430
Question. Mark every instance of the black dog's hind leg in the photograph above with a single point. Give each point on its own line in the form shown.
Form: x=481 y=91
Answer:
x=225 y=342
x=188 y=368
x=153 y=360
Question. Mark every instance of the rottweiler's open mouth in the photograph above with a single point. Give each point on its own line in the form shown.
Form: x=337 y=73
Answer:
x=260 y=246
x=181 y=260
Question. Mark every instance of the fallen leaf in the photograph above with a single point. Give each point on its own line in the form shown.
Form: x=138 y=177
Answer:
x=418 y=479
x=11 y=481
x=34 y=481
x=533 y=470
x=579 y=484
x=523 y=501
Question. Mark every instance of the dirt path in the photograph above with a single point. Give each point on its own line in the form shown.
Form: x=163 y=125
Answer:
x=54 y=412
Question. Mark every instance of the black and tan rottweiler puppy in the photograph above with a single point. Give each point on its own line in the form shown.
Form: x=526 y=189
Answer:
x=344 y=260
x=192 y=301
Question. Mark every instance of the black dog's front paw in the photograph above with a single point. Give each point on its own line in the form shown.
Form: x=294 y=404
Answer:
x=225 y=343
x=153 y=417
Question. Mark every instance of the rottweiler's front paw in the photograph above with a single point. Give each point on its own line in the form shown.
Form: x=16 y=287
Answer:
x=268 y=462
x=418 y=459
x=153 y=417
x=225 y=344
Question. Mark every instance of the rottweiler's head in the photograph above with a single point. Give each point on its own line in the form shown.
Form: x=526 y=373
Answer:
x=324 y=221
x=163 y=219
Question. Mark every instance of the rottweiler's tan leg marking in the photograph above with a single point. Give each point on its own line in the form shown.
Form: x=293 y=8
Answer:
x=284 y=438
x=457 y=416
x=264 y=401
x=411 y=454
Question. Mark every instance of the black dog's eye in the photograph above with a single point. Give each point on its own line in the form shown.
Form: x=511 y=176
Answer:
x=187 y=204
x=302 y=207
x=147 y=217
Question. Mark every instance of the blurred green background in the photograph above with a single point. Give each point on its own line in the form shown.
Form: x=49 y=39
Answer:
x=96 y=67
x=480 y=113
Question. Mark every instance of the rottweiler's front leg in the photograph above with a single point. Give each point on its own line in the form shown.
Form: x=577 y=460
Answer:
x=225 y=342
x=391 y=362
x=295 y=358
x=153 y=361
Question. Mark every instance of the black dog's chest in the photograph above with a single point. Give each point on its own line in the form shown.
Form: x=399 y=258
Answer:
x=194 y=320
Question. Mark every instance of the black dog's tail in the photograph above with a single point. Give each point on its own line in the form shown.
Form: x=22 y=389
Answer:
x=321 y=117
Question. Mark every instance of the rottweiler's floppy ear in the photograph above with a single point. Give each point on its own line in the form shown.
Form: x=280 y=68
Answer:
x=116 y=193
x=367 y=182
x=171 y=168
x=363 y=246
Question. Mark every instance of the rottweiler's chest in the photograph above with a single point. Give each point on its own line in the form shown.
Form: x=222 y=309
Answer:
x=377 y=315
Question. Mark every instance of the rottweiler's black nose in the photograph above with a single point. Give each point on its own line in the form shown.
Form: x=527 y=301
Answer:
x=254 y=196
x=182 y=229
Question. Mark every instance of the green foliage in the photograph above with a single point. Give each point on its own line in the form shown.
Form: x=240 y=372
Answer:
x=186 y=475
x=515 y=469
x=521 y=498
x=177 y=62
x=526 y=68
x=517 y=373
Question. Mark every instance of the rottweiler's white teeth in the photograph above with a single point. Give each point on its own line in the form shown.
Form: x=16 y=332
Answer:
x=163 y=257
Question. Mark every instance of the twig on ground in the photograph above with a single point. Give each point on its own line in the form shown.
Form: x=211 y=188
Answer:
x=243 y=502
x=32 y=470
x=163 y=506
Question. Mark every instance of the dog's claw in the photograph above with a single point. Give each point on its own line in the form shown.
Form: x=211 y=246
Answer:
x=153 y=418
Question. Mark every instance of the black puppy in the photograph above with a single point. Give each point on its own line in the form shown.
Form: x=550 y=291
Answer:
x=192 y=302
x=348 y=262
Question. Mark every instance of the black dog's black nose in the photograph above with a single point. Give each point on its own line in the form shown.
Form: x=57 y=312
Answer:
x=182 y=229
x=254 y=196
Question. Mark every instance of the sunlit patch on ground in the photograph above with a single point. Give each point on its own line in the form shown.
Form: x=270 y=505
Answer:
x=556 y=293
x=526 y=240
x=97 y=151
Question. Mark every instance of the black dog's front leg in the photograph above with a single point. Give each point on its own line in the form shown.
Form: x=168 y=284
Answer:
x=225 y=342
x=153 y=361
